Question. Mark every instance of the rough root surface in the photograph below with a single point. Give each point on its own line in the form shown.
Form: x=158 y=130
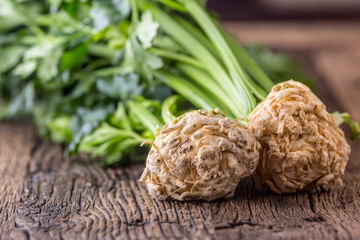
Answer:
x=200 y=156
x=302 y=145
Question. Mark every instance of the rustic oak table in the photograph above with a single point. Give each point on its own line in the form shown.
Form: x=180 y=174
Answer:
x=44 y=196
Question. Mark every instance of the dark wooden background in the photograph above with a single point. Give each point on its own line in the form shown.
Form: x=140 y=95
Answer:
x=279 y=10
x=44 y=196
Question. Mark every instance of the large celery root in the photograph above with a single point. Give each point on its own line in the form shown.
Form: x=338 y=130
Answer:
x=302 y=145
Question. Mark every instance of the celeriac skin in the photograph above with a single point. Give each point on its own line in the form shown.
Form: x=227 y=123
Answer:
x=302 y=145
x=200 y=156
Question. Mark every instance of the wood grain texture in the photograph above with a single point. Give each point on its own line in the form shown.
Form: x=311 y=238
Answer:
x=71 y=199
x=16 y=145
x=44 y=196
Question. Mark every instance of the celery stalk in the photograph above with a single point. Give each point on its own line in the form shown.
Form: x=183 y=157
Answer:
x=201 y=78
x=187 y=90
x=237 y=73
x=177 y=56
x=145 y=116
x=195 y=48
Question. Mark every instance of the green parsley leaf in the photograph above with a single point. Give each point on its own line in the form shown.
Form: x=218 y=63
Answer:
x=146 y=30
x=105 y=13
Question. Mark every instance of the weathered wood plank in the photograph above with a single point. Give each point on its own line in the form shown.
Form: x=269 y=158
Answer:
x=16 y=144
x=74 y=199
x=298 y=35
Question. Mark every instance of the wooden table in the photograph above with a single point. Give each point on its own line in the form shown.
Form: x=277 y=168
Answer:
x=44 y=196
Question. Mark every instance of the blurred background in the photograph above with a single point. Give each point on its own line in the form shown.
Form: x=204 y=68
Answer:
x=286 y=9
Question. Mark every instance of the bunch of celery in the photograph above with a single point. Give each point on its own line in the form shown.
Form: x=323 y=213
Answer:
x=101 y=76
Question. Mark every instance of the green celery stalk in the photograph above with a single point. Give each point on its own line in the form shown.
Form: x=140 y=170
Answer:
x=195 y=48
x=187 y=90
x=167 y=108
x=174 y=5
x=202 y=79
x=176 y=56
x=238 y=74
x=199 y=35
x=345 y=118
x=134 y=14
x=145 y=116
x=101 y=50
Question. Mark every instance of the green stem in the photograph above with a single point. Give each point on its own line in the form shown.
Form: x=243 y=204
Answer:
x=238 y=74
x=168 y=107
x=101 y=50
x=109 y=71
x=199 y=35
x=145 y=116
x=134 y=13
x=203 y=79
x=187 y=90
x=196 y=49
x=176 y=56
x=174 y=5
x=345 y=118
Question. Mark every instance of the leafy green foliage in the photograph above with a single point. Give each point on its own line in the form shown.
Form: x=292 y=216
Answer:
x=120 y=87
x=24 y=101
x=84 y=122
x=111 y=142
x=137 y=59
x=73 y=57
x=59 y=128
x=105 y=13
x=66 y=63
x=173 y=107
x=146 y=30
x=10 y=56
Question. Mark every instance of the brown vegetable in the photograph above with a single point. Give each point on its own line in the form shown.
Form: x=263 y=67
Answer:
x=302 y=146
x=200 y=156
